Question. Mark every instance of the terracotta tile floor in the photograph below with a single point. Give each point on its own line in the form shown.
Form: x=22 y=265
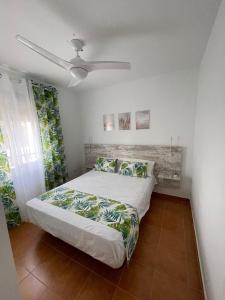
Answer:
x=164 y=266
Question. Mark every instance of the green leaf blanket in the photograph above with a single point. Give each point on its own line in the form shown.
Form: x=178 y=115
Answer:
x=120 y=216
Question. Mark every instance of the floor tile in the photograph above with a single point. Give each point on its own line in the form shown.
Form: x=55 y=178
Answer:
x=112 y=275
x=59 y=245
x=166 y=288
x=155 y=213
x=25 y=230
x=62 y=275
x=24 y=233
x=176 y=205
x=174 y=222
x=50 y=270
x=188 y=211
x=149 y=234
x=172 y=263
x=21 y=271
x=145 y=255
x=22 y=247
x=194 y=295
x=134 y=279
x=172 y=241
x=122 y=295
x=190 y=242
x=96 y=288
x=70 y=281
x=31 y=288
x=25 y=245
x=156 y=206
x=49 y=295
x=85 y=260
x=38 y=254
x=194 y=280
x=98 y=267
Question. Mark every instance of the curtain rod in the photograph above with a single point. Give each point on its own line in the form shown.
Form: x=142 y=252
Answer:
x=13 y=78
x=45 y=85
x=39 y=81
x=7 y=70
x=20 y=74
x=35 y=82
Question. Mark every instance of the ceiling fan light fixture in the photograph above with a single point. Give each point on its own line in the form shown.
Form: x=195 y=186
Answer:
x=79 y=73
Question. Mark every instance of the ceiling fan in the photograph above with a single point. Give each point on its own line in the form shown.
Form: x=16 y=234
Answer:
x=77 y=67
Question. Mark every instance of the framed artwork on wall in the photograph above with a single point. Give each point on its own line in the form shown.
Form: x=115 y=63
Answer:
x=108 y=122
x=142 y=119
x=124 y=121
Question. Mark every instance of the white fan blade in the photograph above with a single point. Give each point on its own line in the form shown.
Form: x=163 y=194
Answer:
x=74 y=82
x=48 y=55
x=107 y=65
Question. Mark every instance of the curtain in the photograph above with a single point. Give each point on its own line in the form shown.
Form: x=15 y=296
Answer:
x=51 y=134
x=22 y=140
x=7 y=191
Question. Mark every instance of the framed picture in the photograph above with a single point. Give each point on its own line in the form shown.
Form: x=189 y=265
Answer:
x=108 y=122
x=124 y=121
x=142 y=119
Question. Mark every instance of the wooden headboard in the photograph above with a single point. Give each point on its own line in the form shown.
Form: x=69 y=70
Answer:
x=168 y=159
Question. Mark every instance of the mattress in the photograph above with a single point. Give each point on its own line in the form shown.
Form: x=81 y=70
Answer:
x=100 y=241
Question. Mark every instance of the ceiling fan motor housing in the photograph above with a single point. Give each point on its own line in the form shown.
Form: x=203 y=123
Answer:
x=77 y=44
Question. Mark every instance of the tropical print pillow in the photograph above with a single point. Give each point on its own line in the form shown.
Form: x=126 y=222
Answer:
x=105 y=165
x=135 y=169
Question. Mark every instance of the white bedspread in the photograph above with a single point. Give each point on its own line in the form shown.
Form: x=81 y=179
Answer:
x=100 y=241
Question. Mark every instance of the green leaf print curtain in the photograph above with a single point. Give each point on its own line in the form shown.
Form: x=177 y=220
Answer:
x=46 y=101
x=7 y=192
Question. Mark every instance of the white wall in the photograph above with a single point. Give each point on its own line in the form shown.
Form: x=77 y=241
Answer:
x=70 y=119
x=208 y=198
x=171 y=99
x=8 y=281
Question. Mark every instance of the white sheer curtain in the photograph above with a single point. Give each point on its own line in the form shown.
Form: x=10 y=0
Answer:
x=18 y=120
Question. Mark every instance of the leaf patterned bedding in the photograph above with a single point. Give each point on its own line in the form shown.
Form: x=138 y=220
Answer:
x=120 y=216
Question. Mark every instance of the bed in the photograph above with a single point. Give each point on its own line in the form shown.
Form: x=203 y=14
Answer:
x=101 y=242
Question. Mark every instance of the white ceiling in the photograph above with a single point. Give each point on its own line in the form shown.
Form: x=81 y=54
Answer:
x=155 y=36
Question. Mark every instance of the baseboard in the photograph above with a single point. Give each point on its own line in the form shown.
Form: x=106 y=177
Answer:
x=168 y=196
x=199 y=254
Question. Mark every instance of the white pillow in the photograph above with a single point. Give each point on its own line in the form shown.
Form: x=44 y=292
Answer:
x=150 y=167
